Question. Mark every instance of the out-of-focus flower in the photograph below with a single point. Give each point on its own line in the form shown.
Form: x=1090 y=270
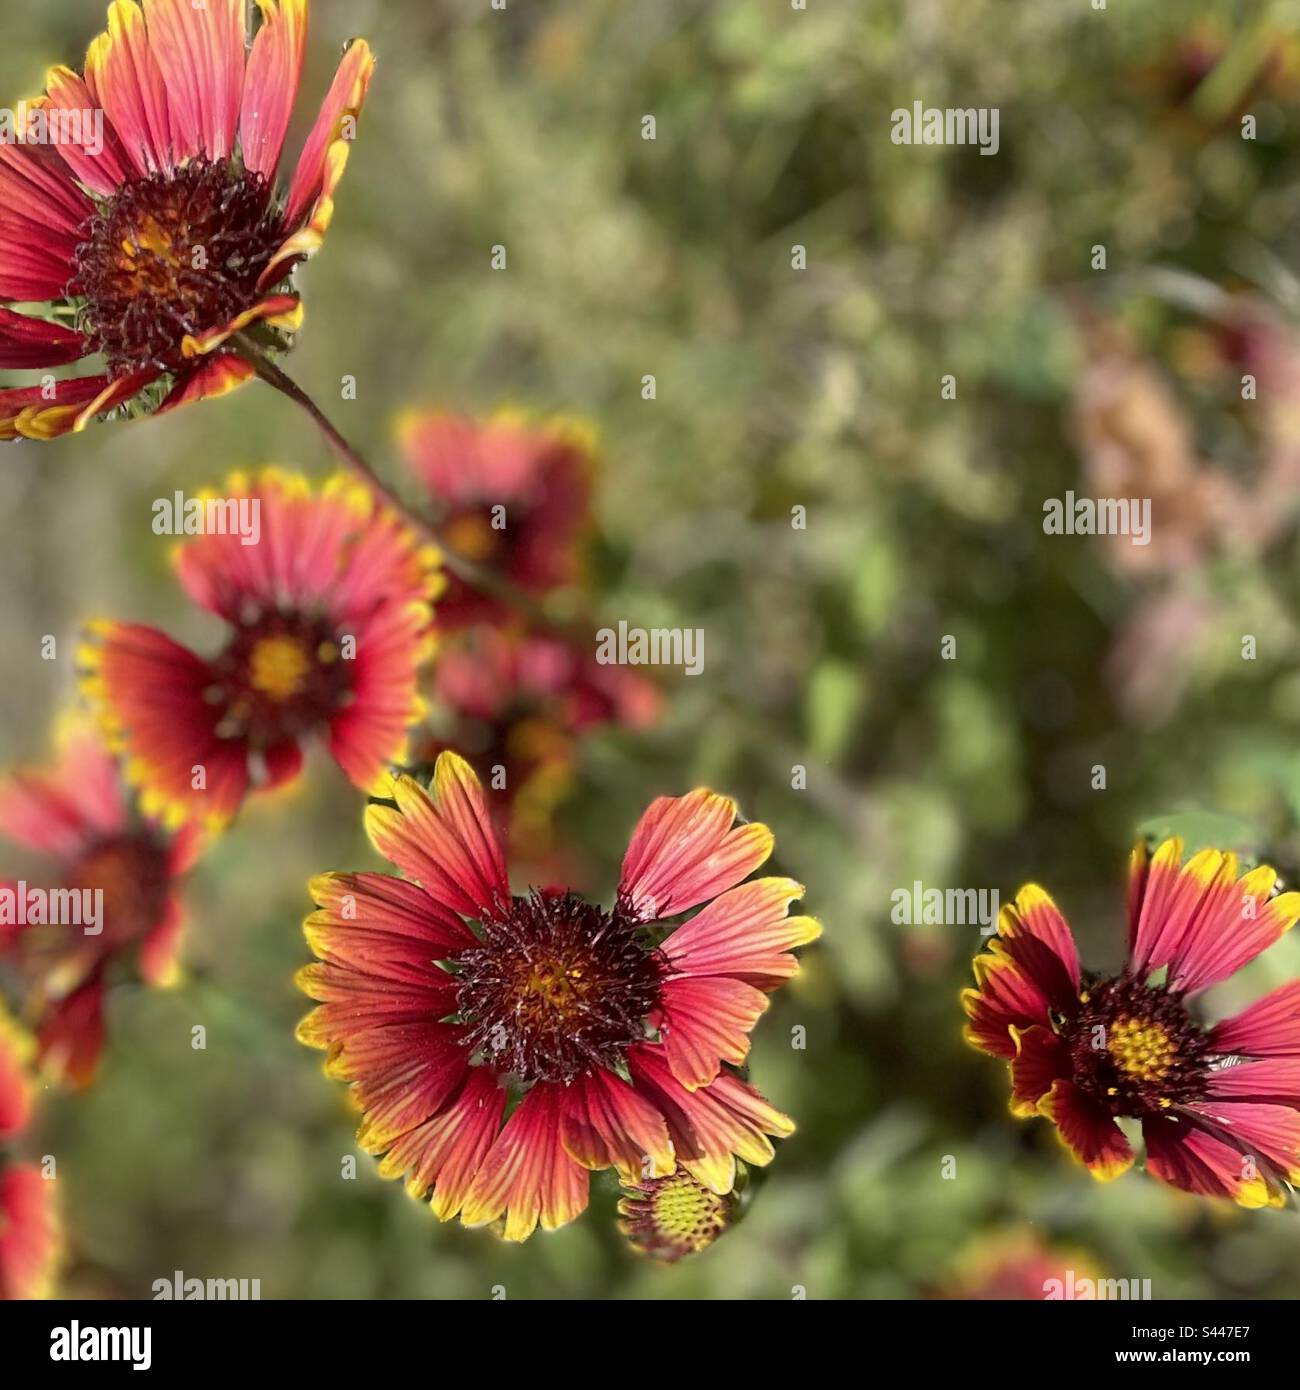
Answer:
x=142 y=208
x=29 y=1233
x=511 y=495
x=330 y=621
x=671 y=1217
x=28 y=1228
x=77 y=814
x=1013 y=1264
x=1136 y=442
x=516 y=704
x=442 y=994
x=1219 y=1107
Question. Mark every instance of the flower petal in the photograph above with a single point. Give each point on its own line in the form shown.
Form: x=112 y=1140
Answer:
x=271 y=82
x=527 y=1175
x=1270 y=1027
x=97 y=158
x=313 y=179
x=605 y=1123
x=1038 y=938
x=1005 y=997
x=28 y=1233
x=447 y=1150
x=713 y=1126
x=27 y=342
x=70 y=1035
x=1041 y=1060
x=199 y=50
x=1087 y=1130
x=744 y=933
x=400 y=1073
x=1185 y=1156
x=359 y=909
x=1202 y=922
x=124 y=78
x=684 y=851
x=707 y=1022
x=149 y=694
x=446 y=843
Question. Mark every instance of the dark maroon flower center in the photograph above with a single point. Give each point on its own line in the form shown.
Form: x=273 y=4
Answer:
x=280 y=677
x=169 y=255
x=131 y=872
x=1135 y=1049
x=557 y=988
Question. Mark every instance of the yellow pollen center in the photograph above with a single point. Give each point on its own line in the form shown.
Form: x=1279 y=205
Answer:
x=1144 y=1050
x=278 y=667
x=687 y=1212
x=472 y=536
x=552 y=987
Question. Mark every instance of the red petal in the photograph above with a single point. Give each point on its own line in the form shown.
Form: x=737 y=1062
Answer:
x=271 y=84
x=685 y=851
x=447 y=1150
x=447 y=844
x=1005 y=997
x=713 y=1126
x=28 y=1233
x=707 y=1022
x=1041 y=1059
x=527 y=1175
x=1270 y=1027
x=1088 y=1131
x=199 y=50
x=1186 y=1157
x=607 y=1124
x=347 y=95
x=744 y=933
x=27 y=342
x=124 y=78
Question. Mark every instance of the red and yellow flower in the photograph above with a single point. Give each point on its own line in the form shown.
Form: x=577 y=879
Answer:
x=1219 y=1107
x=444 y=999
x=28 y=1226
x=512 y=496
x=517 y=704
x=152 y=247
x=78 y=816
x=330 y=620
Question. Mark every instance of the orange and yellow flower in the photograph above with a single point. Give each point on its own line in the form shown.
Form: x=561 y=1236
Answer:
x=77 y=815
x=1219 y=1107
x=329 y=620
x=143 y=219
x=444 y=998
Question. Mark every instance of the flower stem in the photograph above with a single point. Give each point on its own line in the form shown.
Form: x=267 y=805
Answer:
x=485 y=580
